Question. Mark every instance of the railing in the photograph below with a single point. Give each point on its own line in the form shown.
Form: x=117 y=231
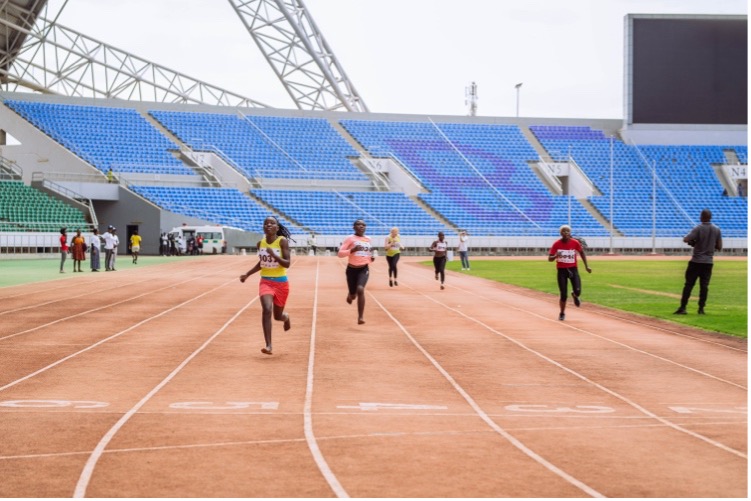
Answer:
x=10 y=170
x=198 y=144
x=490 y=185
x=653 y=170
x=67 y=193
x=353 y=204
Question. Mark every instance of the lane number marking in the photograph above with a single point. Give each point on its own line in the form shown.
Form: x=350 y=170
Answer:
x=272 y=406
x=374 y=406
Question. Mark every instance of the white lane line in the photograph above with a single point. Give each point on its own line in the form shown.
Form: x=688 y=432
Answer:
x=593 y=383
x=484 y=416
x=598 y=336
x=310 y=437
x=68 y=298
x=245 y=443
x=117 y=334
x=569 y=326
x=105 y=306
x=88 y=470
x=518 y=291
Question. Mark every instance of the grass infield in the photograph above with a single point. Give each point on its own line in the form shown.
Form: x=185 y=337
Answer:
x=651 y=288
x=25 y=271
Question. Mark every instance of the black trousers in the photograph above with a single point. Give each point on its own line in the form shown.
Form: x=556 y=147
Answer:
x=357 y=277
x=566 y=274
x=439 y=263
x=694 y=271
x=392 y=260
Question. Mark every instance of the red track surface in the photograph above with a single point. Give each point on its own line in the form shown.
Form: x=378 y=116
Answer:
x=150 y=383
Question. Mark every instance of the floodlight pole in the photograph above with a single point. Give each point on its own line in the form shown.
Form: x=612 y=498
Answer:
x=518 y=86
x=611 y=195
x=654 y=206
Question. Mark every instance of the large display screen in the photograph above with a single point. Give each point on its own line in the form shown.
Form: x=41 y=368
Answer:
x=690 y=70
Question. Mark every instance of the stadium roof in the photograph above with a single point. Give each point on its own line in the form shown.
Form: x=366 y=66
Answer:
x=15 y=14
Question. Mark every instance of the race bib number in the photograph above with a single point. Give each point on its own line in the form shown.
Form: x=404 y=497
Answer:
x=266 y=260
x=364 y=251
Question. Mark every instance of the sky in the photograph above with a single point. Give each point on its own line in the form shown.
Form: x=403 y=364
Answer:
x=406 y=56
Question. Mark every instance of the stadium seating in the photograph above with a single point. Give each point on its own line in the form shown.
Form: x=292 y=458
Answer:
x=224 y=206
x=685 y=182
x=24 y=208
x=329 y=212
x=105 y=137
x=267 y=146
x=477 y=175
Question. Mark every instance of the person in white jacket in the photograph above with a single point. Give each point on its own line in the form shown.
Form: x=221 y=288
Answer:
x=109 y=245
x=95 y=246
x=463 y=249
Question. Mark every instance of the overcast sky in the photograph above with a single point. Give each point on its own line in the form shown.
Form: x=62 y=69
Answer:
x=406 y=56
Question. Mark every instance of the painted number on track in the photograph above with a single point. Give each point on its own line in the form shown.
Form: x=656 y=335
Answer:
x=56 y=404
x=579 y=409
x=700 y=410
x=218 y=406
x=374 y=406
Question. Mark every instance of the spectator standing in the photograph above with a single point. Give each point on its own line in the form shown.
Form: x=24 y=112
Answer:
x=564 y=252
x=705 y=238
x=439 y=248
x=95 y=245
x=78 y=250
x=273 y=288
x=393 y=248
x=357 y=249
x=135 y=245
x=109 y=244
x=463 y=249
x=172 y=244
x=181 y=244
x=116 y=244
x=164 y=248
x=312 y=244
x=63 y=248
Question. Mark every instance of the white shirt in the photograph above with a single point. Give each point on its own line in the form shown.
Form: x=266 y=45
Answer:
x=109 y=241
x=463 y=245
x=95 y=241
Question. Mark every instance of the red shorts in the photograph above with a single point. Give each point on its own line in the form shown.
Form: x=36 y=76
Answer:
x=280 y=290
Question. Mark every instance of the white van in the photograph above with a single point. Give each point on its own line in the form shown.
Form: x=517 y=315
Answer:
x=213 y=239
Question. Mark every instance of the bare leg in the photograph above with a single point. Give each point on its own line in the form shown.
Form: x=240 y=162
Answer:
x=360 y=305
x=280 y=316
x=267 y=305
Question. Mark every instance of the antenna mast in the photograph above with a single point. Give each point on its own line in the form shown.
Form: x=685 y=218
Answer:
x=470 y=98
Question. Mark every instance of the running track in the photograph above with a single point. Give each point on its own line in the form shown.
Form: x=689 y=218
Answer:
x=150 y=383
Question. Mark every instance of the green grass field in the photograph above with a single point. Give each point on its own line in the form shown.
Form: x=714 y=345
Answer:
x=24 y=271
x=651 y=288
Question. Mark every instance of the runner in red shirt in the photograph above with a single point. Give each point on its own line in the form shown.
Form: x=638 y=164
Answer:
x=563 y=252
x=63 y=248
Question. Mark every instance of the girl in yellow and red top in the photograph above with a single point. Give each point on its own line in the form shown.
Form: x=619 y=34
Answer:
x=273 y=288
x=563 y=252
x=393 y=248
x=356 y=248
